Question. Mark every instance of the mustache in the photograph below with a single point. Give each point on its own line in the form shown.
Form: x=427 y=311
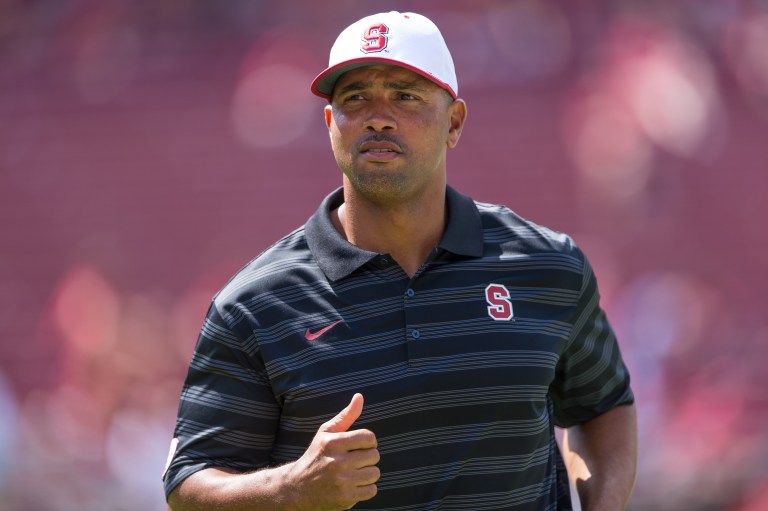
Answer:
x=379 y=137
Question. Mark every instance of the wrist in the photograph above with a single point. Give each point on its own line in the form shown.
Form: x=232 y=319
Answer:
x=285 y=487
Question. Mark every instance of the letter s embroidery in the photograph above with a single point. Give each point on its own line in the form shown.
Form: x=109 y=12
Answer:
x=375 y=38
x=499 y=303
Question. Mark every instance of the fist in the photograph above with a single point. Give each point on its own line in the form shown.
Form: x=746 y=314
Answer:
x=338 y=469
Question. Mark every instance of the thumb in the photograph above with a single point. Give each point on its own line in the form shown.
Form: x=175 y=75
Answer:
x=345 y=418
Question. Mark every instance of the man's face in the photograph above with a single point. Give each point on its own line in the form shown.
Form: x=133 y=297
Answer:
x=390 y=129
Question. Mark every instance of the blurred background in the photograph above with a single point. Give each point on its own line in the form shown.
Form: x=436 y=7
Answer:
x=150 y=149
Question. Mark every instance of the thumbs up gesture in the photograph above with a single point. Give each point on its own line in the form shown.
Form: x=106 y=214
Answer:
x=338 y=468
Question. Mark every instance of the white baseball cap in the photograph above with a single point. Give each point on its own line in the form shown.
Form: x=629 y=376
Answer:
x=405 y=39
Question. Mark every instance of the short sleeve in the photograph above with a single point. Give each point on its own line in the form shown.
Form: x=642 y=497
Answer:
x=227 y=413
x=591 y=376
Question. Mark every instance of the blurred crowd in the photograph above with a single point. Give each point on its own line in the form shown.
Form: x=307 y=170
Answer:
x=149 y=149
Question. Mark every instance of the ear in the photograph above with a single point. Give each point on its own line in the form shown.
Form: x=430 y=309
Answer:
x=458 y=114
x=328 y=115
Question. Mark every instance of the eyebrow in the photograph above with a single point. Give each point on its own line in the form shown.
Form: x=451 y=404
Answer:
x=400 y=85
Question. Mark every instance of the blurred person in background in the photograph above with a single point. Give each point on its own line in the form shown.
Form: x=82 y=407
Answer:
x=408 y=347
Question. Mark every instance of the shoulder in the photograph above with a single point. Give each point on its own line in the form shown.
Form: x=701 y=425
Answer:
x=512 y=232
x=274 y=268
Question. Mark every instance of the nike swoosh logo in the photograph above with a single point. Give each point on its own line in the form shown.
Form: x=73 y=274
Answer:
x=311 y=336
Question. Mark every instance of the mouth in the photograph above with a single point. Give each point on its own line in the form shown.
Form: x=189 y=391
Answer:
x=379 y=147
x=380 y=150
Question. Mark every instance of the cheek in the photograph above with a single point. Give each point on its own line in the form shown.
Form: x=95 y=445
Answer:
x=341 y=149
x=433 y=135
x=337 y=140
x=337 y=127
x=433 y=126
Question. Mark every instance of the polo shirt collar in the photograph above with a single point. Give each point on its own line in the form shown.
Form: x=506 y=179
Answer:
x=338 y=258
x=464 y=233
x=335 y=256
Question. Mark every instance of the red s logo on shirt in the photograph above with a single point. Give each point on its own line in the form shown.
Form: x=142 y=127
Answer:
x=375 y=38
x=499 y=303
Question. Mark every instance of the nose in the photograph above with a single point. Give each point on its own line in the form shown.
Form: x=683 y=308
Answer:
x=380 y=116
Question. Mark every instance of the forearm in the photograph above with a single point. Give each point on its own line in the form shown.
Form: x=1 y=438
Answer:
x=601 y=456
x=225 y=490
x=337 y=471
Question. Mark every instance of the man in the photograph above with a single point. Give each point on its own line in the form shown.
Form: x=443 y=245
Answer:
x=408 y=348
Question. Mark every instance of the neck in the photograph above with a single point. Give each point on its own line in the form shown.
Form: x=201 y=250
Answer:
x=407 y=231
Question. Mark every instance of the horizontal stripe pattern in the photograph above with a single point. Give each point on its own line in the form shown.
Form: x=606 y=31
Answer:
x=404 y=479
x=428 y=401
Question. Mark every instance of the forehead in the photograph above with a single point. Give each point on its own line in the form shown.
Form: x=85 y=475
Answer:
x=384 y=73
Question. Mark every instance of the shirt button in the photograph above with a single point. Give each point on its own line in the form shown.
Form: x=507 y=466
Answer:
x=411 y=293
x=384 y=262
x=415 y=334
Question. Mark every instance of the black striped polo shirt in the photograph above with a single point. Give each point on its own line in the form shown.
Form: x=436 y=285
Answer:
x=465 y=368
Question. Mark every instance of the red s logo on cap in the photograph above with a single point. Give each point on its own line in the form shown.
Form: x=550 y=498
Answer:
x=375 y=38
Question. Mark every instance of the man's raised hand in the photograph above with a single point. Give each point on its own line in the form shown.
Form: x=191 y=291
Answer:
x=338 y=468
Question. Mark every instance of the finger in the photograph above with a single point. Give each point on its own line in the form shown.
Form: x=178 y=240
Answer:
x=345 y=418
x=364 y=457
x=368 y=475
x=366 y=492
x=355 y=440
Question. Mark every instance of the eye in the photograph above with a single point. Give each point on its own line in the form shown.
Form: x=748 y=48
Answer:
x=406 y=96
x=354 y=97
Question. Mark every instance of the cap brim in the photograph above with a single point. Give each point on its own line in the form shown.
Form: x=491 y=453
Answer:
x=325 y=82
